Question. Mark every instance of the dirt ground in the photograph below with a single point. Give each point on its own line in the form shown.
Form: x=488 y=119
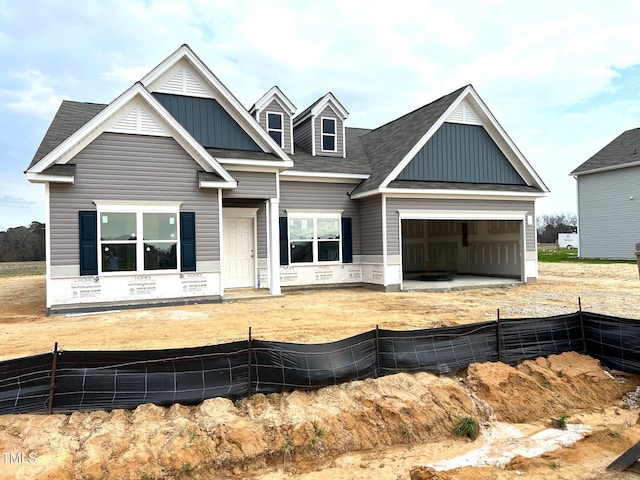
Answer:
x=379 y=428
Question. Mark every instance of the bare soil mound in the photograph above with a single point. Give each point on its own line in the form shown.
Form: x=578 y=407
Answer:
x=299 y=432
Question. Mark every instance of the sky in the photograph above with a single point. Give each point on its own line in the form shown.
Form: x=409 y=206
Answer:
x=561 y=77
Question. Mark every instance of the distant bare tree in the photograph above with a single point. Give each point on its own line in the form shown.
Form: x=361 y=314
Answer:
x=23 y=244
x=549 y=226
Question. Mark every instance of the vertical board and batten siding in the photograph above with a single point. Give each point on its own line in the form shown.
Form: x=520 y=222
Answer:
x=424 y=204
x=608 y=219
x=464 y=154
x=328 y=113
x=371 y=226
x=302 y=135
x=208 y=122
x=119 y=167
x=275 y=107
x=322 y=196
x=257 y=185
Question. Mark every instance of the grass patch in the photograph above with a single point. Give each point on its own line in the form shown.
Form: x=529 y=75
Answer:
x=556 y=255
x=467 y=427
x=16 y=269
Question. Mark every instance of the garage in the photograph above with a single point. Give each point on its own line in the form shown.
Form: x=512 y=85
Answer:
x=436 y=249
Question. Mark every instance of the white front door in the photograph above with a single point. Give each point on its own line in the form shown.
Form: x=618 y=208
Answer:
x=239 y=266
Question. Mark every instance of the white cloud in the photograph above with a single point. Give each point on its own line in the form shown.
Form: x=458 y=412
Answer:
x=35 y=96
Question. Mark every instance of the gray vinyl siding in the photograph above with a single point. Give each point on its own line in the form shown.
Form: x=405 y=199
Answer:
x=275 y=107
x=261 y=234
x=258 y=185
x=608 y=219
x=371 y=226
x=302 y=135
x=208 y=122
x=461 y=153
x=395 y=204
x=328 y=113
x=131 y=168
x=325 y=196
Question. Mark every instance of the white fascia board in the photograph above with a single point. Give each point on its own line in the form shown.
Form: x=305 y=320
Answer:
x=462 y=214
x=330 y=98
x=274 y=92
x=452 y=194
x=217 y=184
x=293 y=176
x=101 y=122
x=253 y=129
x=254 y=163
x=44 y=178
x=606 y=169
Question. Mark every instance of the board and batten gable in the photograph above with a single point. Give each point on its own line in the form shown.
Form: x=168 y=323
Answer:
x=123 y=167
x=608 y=212
x=314 y=196
x=275 y=107
x=328 y=112
x=463 y=154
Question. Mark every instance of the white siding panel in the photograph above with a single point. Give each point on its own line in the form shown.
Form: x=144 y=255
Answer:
x=464 y=113
x=148 y=125
x=193 y=86
x=139 y=121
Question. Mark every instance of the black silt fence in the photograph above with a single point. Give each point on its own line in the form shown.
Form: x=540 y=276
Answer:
x=280 y=366
x=614 y=341
x=86 y=380
x=25 y=383
x=439 y=350
x=126 y=379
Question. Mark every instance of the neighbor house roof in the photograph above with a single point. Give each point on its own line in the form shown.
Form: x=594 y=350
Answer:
x=622 y=152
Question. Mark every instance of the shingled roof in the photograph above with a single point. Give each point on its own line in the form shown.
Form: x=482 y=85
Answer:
x=387 y=145
x=624 y=150
x=69 y=118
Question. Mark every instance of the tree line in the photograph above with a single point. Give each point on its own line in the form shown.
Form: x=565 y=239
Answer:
x=549 y=226
x=23 y=244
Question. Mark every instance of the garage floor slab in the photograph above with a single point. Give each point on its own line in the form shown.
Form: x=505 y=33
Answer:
x=456 y=282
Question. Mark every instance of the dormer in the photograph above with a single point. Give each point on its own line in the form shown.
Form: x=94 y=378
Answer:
x=274 y=112
x=319 y=129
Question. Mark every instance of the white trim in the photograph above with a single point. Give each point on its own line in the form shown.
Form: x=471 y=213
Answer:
x=408 y=214
x=274 y=93
x=127 y=206
x=274 y=249
x=217 y=184
x=313 y=137
x=312 y=211
x=240 y=114
x=297 y=176
x=607 y=169
x=451 y=194
x=44 y=178
x=47 y=232
x=344 y=140
x=321 y=105
x=334 y=135
x=384 y=240
x=268 y=129
x=291 y=130
x=257 y=163
x=220 y=240
x=237 y=212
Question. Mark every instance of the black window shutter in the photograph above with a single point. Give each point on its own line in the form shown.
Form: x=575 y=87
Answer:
x=284 y=242
x=347 y=250
x=188 y=241
x=88 y=234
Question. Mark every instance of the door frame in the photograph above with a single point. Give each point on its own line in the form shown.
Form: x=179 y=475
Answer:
x=243 y=213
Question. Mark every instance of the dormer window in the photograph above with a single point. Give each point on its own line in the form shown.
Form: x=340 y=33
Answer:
x=274 y=126
x=329 y=134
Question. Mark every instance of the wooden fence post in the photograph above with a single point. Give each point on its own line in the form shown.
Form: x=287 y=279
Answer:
x=584 y=338
x=499 y=337
x=249 y=362
x=54 y=363
x=377 y=351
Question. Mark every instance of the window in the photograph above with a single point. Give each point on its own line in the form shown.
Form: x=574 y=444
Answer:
x=139 y=240
x=328 y=134
x=274 y=126
x=314 y=238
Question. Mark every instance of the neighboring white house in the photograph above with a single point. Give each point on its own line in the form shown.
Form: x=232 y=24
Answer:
x=608 y=186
